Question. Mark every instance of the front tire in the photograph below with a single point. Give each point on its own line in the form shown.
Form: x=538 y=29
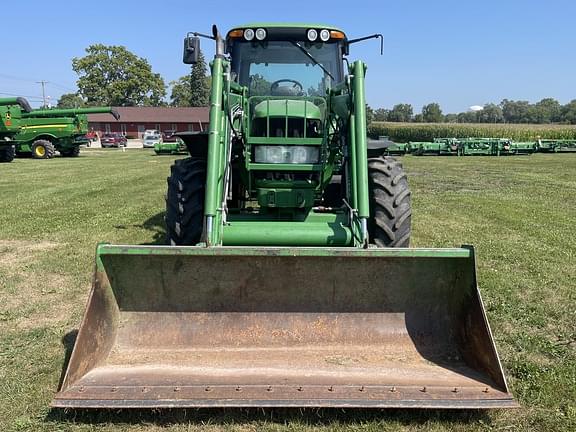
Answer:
x=390 y=203
x=7 y=153
x=185 y=202
x=43 y=149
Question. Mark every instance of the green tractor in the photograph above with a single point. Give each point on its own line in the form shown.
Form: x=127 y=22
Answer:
x=45 y=131
x=10 y=117
x=288 y=280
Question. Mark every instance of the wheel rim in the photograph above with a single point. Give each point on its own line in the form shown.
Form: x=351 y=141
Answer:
x=40 y=151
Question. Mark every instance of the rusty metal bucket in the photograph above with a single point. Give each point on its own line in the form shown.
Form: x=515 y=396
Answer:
x=267 y=327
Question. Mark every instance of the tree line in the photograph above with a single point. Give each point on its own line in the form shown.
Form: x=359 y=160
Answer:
x=546 y=111
x=113 y=76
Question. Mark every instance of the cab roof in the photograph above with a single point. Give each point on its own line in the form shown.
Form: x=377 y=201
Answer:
x=286 y=25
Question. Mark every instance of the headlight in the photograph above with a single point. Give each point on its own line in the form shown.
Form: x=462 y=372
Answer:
x=277 y=154
x=260 y=34
x=248 y=34
x=312 y=35
x=324 y=35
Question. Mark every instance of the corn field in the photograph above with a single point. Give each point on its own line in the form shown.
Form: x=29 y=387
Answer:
x=405 y=132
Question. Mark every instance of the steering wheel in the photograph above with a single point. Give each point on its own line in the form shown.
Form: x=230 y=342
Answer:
x=296 y=89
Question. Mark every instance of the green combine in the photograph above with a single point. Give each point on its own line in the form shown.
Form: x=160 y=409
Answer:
x=45 y=131
x=11 y=110
x=287 y=280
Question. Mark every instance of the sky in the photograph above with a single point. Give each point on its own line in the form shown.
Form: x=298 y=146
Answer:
x=456 y=53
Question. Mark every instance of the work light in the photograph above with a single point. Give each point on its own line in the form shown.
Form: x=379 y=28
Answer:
x=324 y=35
x=248 y=34
x=260 y=34
x=312 y=35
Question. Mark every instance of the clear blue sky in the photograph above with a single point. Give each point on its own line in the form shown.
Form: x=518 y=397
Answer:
x=457 y=53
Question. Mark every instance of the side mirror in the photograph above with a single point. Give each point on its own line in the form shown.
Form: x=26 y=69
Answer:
x=191 y=49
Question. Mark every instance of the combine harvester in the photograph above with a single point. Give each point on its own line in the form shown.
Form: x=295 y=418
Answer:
x=288 y=281
x=11 y=110
x=45 y=131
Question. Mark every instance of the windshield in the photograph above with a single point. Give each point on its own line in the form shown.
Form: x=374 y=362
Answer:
x=281 y=68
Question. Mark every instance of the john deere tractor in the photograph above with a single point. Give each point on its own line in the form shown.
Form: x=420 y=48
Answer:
x=10 y=117
x=45 y=131
x=287 y=280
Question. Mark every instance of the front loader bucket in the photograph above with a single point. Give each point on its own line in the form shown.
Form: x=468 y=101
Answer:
x=280 y=327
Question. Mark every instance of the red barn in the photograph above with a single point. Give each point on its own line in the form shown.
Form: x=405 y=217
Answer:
x=135 y=120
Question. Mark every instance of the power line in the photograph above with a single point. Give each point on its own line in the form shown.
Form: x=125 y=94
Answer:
x=11 y=77
x=20 y=95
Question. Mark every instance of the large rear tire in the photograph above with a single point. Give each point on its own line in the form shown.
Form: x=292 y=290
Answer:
x=43 y=149
x=390 y=207
x=73 y=152
x=185 y=202
x=7 y=153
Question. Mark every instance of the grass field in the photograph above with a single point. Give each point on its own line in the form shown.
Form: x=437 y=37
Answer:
x=519 y=212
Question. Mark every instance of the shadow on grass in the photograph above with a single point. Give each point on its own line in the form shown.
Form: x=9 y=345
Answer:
x=68 y=341
x=329 y=417
x=155 y=224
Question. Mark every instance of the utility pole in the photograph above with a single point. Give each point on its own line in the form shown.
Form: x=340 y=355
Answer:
x=43 y=92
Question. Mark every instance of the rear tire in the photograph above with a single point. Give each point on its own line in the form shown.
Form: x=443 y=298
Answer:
x=43 y=149
x=7 y=153
x=185 y=202
x=390 y=207
x=73 y=152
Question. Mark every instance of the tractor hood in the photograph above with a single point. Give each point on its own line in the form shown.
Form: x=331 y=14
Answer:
x=287 y=108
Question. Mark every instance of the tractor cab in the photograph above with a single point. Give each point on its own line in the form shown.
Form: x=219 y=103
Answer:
x=291 y=61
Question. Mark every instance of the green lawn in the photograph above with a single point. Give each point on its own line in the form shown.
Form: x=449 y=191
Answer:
x=519 y=212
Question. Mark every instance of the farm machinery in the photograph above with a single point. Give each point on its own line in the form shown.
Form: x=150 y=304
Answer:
x=287 y=280
x=472 y=147
x=175 y=146
x=10 y=117
x=45 y=131
x=439 y=147
x=556 y=145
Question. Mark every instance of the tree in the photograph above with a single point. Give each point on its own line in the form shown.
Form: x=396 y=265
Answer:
x=491 y=113
x=200 y=88
x=548 y=110
x=369 y=114
x=432 y=113
x=381 y=114
x=401 y=113
x=515 y=111
x=112 y=75
x=70 y=100
x=569 y=112
x=181 y=91
x=451 y=118
x=468 y=117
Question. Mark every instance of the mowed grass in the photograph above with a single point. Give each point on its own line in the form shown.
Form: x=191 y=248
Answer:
x=519 y=212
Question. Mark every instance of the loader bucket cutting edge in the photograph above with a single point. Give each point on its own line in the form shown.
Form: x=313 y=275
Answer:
x=284 y=327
